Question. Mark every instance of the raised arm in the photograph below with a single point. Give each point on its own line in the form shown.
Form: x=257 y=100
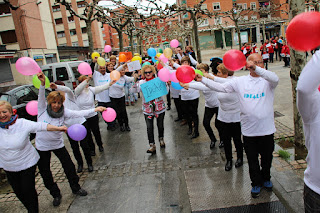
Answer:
x=101 y=88
x=308 y=96
x=193 y=61
x=68 y=91
x=78 y=90
x=41 y=95
x=271 y=77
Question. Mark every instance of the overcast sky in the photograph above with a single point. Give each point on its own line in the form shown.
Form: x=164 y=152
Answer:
x=133 y=2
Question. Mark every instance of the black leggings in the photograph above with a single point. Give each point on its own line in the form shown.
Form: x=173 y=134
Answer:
x=150 y=129
x=23 y=184
x=191 y=112
x=119 y=105
x=208 y=115
x=92 y=125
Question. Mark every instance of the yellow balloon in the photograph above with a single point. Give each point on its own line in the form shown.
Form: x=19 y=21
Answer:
x=101 y=61
x=137 y=58
x=158 y=54
x=136 y=54
x=95 y=54
x=167 y=53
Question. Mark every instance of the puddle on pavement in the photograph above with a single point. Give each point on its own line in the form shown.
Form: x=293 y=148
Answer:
x=297 y=152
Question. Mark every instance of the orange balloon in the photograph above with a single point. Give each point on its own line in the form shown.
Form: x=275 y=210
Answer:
x=115 y=75
x=122 y=58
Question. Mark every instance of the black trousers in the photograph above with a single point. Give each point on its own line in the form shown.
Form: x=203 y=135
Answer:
x=232 y=130
x=107 y=104
x=208 y=115
x=68 y=167
x=271 y=57
x=150 y=130
x=119 y=105
x=85 y=148
x=190 y=108
x=311 y=200
x=23 y=184
x=263 y=145
x=177 y=103
x=168 y=99
x=92 y=125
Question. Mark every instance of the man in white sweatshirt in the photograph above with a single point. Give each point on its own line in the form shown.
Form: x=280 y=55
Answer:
x=308 y=101
x=256 y=95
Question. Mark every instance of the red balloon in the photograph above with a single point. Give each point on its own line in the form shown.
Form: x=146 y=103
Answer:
x=303 y=32
x=185 y=74
x=159 y=66
x=234 y=60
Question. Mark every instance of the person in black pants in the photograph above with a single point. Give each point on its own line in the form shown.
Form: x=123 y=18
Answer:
x=191 y=107
x=177 y=103
x=168 y=101
x=119 y=105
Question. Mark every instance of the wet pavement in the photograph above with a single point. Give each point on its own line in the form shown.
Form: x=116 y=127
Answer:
x=186 y=176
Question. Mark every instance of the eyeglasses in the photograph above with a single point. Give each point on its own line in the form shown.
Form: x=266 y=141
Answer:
x=148 y=72
x=257 y=62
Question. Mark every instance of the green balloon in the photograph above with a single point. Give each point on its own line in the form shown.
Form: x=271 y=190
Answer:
x=160 y=51
x=146 y=63
x=198 y=72
x=36 y=82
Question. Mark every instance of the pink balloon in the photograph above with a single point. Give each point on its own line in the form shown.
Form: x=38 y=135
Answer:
x=234 y=60
x=163 y=58
x=107 y=49
x=32 y=108
x=109 y=115
x=174 y=43
x=84 y=69
x=164 y=74
x=173 y=77
x=27 y=66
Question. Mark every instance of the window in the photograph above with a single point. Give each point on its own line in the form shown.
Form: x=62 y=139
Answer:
x=24 y=95
x=48 y=73
x=70 y=19
x=253 y=5
x=216 y=6
x=254 y=17
x=8 y=37
x=61 y=34
x=242 y=6
x=73 y=32
x=84 y=30
x=85 y=43
x=204 y=6
x=311 y=8
x=245 y=18
x=203 y=23
x=56 y=8
x=75 y=44
x=58 y=21
x=62 y=74
x=81 y=4
x=217 y=20
x=62 y=45
x=4 y=9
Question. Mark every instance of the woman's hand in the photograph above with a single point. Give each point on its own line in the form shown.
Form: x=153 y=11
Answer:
x=207 y=75
x=89 y=78
x=100 y=109
x=112 y=82
x=42 y=78
x=56 y=128
x=198 y=77
x=53 y=85
x=184 y=85
x=63 y=128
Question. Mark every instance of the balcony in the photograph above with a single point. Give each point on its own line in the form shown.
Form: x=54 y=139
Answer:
x=6 y=23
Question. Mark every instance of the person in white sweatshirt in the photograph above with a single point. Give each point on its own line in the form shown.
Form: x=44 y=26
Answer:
x=70 y=103
x=54 y=113
x=18 y=157
x=308 y=101
x=256 y=95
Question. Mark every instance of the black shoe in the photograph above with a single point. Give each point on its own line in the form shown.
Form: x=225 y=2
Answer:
x=169 y=107
x=195 y=135
x=92 y=153
x=238 y=163
x=57 y=200
x=128 y=128
x=212 y=144
x=90 y=168
x=221 y=144
x=122 y=129
x=190 y=131
x=228 y=166
x=81 y=192
x=80 y=168
x=101 y=149
x=177 y=119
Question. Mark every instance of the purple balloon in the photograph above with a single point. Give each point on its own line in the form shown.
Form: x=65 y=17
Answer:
x=77 y=132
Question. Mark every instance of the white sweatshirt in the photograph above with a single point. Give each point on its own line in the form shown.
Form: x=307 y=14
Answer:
x=16 y=150
x=229 y=110
x=256 y=95
x=308 y=102
x=116 y=90
x=46 y=141
x=70 y=103
x=99 y=80
x=210 y=96
x=190 y=94
x=85 y=96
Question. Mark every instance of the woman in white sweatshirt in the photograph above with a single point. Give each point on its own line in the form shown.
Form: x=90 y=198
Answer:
x=54 y=113
x=18 y=157
x=85 y=100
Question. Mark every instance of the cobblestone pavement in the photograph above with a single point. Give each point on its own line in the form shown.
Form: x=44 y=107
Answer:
x=125 y=157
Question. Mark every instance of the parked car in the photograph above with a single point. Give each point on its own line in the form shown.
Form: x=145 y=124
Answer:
x=63 y=71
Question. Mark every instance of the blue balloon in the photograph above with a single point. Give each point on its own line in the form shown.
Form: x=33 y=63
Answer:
x=176 y=85
x=154 y=60
x=152 y=52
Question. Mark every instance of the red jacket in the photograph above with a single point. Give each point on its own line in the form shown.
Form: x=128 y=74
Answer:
x=285 y=50
x=270 y=49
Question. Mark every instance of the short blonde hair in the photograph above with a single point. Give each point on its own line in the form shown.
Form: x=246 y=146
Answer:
x=54 y=96
x=113 y=57
x=185 y=58
x=223 y=69
x=82 y=78
x=148 y=67
x=7 y=105
x=191 y=47
x=203 y=66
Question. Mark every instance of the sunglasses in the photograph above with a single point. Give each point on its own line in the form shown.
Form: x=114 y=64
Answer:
x=148 y=72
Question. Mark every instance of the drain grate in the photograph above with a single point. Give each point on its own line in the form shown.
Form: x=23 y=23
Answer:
x=278 y=114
